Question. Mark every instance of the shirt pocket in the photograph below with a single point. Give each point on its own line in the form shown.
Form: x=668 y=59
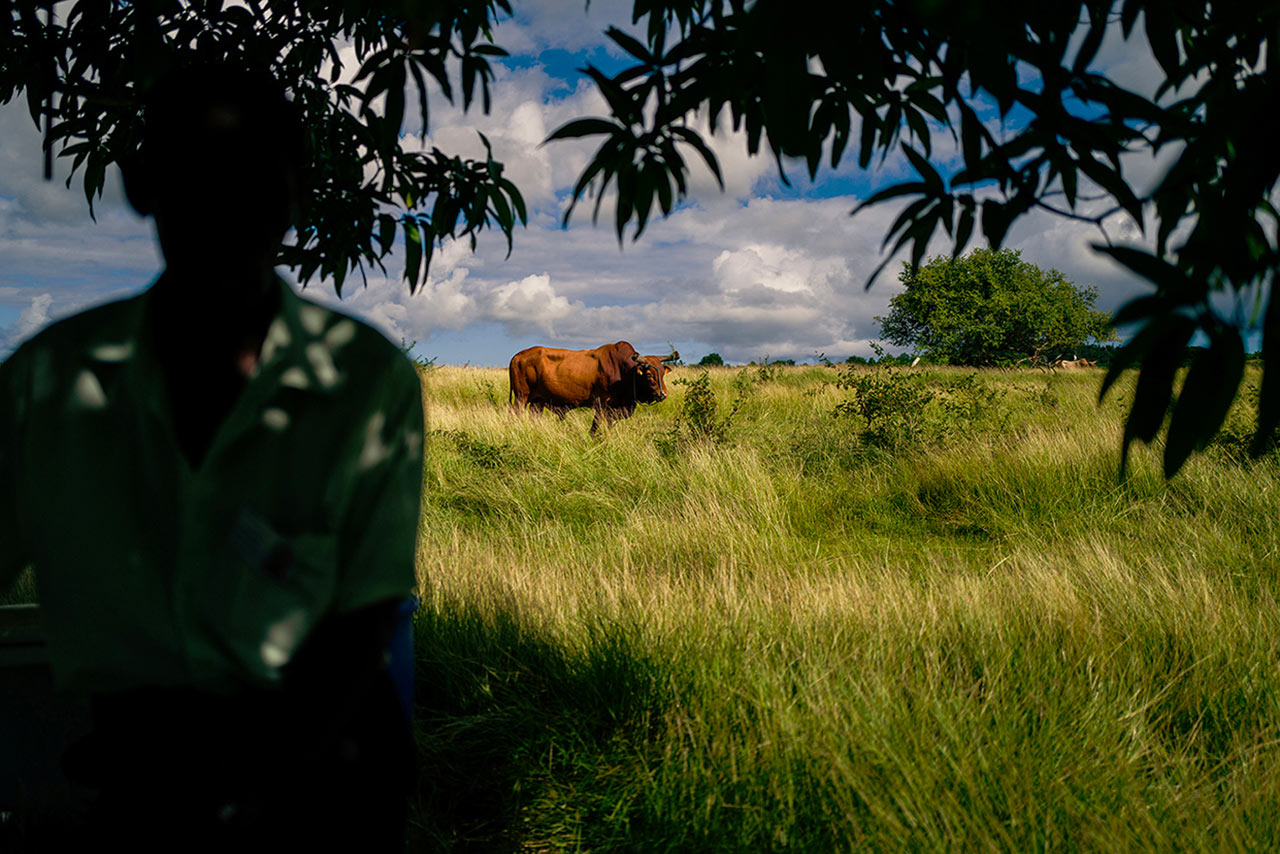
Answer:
x=285 y=586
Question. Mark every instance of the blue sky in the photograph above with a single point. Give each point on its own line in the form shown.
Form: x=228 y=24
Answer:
x=761 y=269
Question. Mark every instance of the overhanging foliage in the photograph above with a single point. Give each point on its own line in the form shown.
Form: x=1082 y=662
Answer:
x=872 y=78
x=86 y=71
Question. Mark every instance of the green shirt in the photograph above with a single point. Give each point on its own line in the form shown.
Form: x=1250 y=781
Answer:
x=152 y=573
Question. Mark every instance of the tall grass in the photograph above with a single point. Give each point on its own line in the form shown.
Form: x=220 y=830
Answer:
x=799 y=637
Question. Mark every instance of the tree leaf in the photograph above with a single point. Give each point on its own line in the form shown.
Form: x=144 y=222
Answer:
x=585 y=127
x=932 y=180
x=692 y=137
x=906 y=188
x=412 y=251
x=1155 y=382
x=1110 y=180
x=631 y=45
x=1159 y=272
x=996 y=219
x=1206 y=395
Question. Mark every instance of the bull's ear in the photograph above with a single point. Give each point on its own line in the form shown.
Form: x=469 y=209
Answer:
x=666 y=369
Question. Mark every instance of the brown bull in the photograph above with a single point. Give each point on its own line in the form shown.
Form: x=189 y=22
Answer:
x=611 y=379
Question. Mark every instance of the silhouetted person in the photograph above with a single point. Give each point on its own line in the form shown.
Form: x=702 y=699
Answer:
x=217 y=484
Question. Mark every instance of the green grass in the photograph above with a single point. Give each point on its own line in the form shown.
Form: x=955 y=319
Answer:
x=828 y=623
x=805 y=637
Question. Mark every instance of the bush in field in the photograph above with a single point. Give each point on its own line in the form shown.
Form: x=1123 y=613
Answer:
x=970 y=403
x=492 y=394
x=699 y=419
x=900 y=410
x=766 y=371
x=745 y=383
x=711 y=360
x=889 y=405
x=485 y=455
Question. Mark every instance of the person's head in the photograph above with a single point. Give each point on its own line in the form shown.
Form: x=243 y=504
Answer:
x=217 y=166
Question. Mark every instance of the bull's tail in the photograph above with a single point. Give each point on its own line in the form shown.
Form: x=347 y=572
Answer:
x=517 y=392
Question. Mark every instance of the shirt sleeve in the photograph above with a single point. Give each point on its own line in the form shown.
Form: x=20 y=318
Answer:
x=379 y=530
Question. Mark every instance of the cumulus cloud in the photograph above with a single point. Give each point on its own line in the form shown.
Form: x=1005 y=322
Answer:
x=34 y=317
x=22 y=175
x=777 y=277
x=530 y=304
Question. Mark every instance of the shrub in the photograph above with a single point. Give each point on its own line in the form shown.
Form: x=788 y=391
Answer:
x=766 y=371
x=889 y=403
x=699 y=419
x=900 y=410
x=485 y=455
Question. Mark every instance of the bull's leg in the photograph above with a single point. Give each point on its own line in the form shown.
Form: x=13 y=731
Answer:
x=600 y=415
x=606 y=415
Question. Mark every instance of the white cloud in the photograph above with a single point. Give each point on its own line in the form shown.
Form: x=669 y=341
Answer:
x=34 y=317
x=530 y=304
x=778 y=277
x=22 y=175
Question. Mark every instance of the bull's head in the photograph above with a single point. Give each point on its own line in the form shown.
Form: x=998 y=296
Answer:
x=649 y=373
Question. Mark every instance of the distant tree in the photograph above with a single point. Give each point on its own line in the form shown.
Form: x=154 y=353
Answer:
x=711 y=360
x=992 y=307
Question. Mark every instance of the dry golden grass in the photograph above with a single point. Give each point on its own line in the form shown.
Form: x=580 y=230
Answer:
x=792 y=639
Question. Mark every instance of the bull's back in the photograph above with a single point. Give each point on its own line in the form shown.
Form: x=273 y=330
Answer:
x=555 y=376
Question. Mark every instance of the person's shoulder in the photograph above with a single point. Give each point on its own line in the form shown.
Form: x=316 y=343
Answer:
x=107 y=326
x=358 y=349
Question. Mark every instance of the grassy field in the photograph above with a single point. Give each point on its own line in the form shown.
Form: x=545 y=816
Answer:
x=911 y=610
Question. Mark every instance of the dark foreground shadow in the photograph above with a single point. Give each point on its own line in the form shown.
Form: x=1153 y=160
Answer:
x=506 y=719
x=38 y=805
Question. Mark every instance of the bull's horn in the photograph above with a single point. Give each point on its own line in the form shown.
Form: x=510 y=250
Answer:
x=675 y=356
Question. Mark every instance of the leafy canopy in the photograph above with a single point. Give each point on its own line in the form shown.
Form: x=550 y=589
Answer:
x=86 y=71
x=992 y=307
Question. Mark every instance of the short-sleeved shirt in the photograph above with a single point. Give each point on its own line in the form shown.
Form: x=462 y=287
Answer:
x=153 y=573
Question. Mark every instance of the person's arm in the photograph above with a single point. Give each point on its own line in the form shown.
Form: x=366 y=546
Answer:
x=343 y=662
x=13 y=556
